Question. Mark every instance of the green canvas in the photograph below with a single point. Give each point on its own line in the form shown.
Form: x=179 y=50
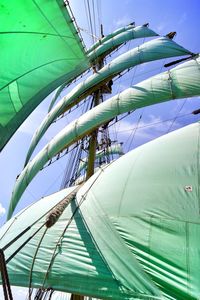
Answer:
x=40 y=49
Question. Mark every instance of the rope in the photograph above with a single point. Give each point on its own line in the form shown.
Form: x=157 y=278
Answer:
x=99 y=14
x=65 y=229
x=135 y=129
x=176 y=116
x=94 y=17
x=34 y=258
x=155 y=123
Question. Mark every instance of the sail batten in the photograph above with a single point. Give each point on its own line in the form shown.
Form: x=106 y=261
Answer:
x=180 y=82
x=150 y=51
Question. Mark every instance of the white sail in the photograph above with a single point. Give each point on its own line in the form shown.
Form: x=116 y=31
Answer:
x=180 y=82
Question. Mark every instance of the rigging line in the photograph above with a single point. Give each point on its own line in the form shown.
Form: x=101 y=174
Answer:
x=155 y=123
x=94 y=18
x=115 y=79
x=77 y=155
x=99 y=15
x=90 y=19
x=5 y=279
x=55 y=249
x=74 y=20
x=123 y=117
x=88 y=24
x=134 y=72
x=181 y=107
x=23 y=244
x=33 y=262
x=72 y=161
x=85 y=223
x=29 y=227
x=134 y=75
x=69 y=111
x=60 y=156
x=53 y=183
x=65 y=86
x=135 y=130
x=75 y=158
x=67 y=226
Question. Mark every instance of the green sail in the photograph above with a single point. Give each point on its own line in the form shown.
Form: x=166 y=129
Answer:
x=107 y=45
x=180 y=82
x=136 y=234
x=153 y=50
x=40 y=49
x=110 y=36
x=111 y=150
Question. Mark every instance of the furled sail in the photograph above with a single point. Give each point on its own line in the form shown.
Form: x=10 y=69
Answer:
x=110 y=36
x=108 y=44
x=180 y=82
x=153 y=50
x=132 y=236
x=112 y=150
x=40 y=49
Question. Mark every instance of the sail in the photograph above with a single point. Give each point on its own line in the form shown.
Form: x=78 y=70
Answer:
x=107 y=45
x=134 y=232
x=110 y=36
x=40 y=49
x=112 y=150
x=180 y=82
x=153 y=50
x=117 y=40
x=77 y=265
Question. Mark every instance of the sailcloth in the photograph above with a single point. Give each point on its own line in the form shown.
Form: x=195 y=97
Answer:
x=153 y=50
x=180 y=82
x=107 y=44
x=40 y=49
x=132 y=231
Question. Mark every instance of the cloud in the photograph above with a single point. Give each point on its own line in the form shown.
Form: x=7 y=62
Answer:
x=148 y=129
x=126 y=126
x=2 y=210
x=183 y=18
x=160 y=27
x=125 y=20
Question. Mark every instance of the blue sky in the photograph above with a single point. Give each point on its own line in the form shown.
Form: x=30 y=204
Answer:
x=164 y=16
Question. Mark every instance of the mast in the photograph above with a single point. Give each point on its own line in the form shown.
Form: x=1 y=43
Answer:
x=97 y=96
x=94 y=135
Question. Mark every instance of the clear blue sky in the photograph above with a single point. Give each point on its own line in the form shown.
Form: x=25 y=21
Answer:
x=164 y=16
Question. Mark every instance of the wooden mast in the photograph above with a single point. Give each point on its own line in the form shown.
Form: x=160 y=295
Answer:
x=94 y=134
x=93 y=140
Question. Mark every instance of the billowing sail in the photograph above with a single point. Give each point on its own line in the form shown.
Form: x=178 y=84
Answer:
x=115 y=41
x=40 y=49
x=180 y=82
x=132 y=231
x=110 y=36
x=108 y=44
x=150 y=51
